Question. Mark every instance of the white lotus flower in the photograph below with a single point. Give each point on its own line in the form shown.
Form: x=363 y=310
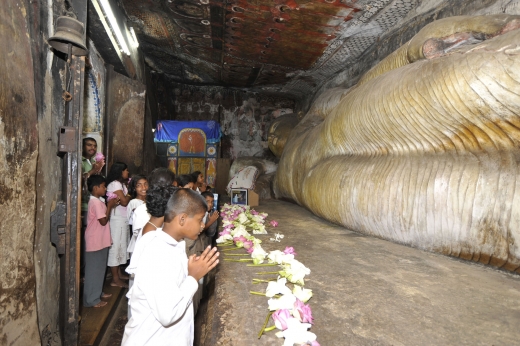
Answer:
x=302 y=294
x=279 y=257
x=260 y=230
x=224 y=238
x=258 y=255
x=257 y=219
x=277 y=287
x=239 y=230
x=295 y=271
x=284 y=302
x=297 y=333
x=226 y=223
x=242 y=218
x=274 y=256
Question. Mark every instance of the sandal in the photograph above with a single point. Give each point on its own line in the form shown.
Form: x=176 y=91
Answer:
x=106 y=295
x=100 y=304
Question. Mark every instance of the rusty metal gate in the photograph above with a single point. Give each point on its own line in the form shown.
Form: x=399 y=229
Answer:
x=66 y=218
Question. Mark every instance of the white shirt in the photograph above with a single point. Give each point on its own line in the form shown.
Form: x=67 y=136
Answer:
x=140 y=218
x=161 y=297
x=130 y=208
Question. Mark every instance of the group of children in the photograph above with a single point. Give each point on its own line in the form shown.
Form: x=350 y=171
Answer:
x=170 y=249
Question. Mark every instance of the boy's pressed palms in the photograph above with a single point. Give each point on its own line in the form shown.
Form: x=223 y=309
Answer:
x=198 y=266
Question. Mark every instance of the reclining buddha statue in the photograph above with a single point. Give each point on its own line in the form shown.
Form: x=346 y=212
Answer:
x=425 y=149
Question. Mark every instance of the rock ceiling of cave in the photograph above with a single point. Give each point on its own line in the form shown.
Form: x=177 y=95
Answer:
x=283 y=46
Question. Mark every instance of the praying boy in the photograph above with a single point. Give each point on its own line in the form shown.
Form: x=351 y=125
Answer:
x=165 y=279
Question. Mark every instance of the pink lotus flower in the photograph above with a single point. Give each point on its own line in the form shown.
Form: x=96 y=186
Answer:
x=302 y=312
x=315 y=343
x=250 y=250
x=280 y=318
x=273 y=223
x=99 y=156
x=289 y=250
x=224 y=232
x=254 y=212
x=239 y=241
x=248 y=244
x=111 y=195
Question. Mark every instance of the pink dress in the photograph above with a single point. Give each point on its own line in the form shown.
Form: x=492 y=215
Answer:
x=97 y=236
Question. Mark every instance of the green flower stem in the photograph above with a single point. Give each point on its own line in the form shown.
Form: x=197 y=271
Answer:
x=268 y=329
x=221 y=245
x=236 y=254
x=265 y=324
x=238 y=260
x=226 y=250
x=259 y=281
x=257 y=293
x=265 y=273
x=263 y=265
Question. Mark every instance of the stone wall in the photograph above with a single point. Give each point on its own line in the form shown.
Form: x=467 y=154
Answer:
x=125 y=121
x=18 y=158
x=244 y=117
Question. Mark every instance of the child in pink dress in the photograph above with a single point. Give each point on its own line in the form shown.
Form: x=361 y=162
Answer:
x=97 y=242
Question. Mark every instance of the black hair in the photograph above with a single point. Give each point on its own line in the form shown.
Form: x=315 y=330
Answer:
x=161 y=176
x=157 y=198
x=185 y=201
x=133 y=183
x=195 y=175
x=88 y=139
x=207 y=194
x=116 y=172
x=183 y=180
x=94 y=180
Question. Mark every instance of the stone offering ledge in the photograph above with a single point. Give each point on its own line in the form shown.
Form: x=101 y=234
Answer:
x=366 y=290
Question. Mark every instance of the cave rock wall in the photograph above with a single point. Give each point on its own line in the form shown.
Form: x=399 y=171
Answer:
x=244 y=117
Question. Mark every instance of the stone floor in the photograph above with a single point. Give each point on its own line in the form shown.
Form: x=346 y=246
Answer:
x=116 y=328
x=367 y=291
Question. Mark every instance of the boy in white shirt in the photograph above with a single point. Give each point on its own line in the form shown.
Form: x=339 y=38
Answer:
x=165 y=279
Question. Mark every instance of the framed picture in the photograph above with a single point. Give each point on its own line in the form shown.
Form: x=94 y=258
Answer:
x=215 y=201
x=239 y=196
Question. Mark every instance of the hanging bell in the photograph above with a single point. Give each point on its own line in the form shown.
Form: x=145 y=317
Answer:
x=69 y=31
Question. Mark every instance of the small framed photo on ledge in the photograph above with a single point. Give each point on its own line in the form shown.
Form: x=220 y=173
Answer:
x=239 y=196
